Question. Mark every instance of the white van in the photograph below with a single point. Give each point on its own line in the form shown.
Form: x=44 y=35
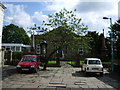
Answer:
x=92 y=65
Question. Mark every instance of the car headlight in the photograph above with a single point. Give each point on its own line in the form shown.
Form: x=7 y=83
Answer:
x=18 y=66
x=32 y=66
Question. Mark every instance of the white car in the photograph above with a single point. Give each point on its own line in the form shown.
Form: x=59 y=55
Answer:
x=92 y=65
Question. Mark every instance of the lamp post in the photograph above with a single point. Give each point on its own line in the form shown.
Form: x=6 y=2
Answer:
x=111 y=35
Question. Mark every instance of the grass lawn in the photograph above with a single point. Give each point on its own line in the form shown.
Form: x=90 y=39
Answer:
x=106 y=62
x=51 y=62
x=81 y=62
x=71 y=62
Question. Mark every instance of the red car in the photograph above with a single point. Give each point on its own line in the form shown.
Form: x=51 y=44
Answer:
x=29 y=63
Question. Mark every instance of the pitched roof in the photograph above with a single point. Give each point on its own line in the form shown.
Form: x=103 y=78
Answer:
x=2 y=6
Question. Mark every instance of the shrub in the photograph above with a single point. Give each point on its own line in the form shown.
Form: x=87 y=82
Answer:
x=16 y=57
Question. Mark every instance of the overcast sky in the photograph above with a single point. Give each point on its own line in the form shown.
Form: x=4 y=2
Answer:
x=26 y=13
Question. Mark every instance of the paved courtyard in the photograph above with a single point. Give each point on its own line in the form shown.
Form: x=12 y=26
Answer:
x=58 y=78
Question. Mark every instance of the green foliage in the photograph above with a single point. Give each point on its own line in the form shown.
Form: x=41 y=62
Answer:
x=94 y=42
x=108 y=63
x=116 y=34
x=14 y=34
x=17 y=55
x=68 y=20
x=68 y=31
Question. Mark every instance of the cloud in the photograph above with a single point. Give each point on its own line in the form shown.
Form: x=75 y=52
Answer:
x=18 y=16
x=40 y=16
x=57 y=5
x=85 y=7
x=90 y=12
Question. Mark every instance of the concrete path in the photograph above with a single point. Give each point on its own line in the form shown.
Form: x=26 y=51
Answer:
x=61 y=78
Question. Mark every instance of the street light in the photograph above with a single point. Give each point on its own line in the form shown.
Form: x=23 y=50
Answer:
x=112 y=52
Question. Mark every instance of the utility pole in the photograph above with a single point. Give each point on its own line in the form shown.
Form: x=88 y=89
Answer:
x=33 y=37
x=112 y=51
x=112 y=42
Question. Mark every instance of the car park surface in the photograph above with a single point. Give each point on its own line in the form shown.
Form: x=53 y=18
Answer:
x=59 y=78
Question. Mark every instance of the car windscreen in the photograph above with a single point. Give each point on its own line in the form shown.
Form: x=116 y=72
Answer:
x=94 y=62
x=28 y=58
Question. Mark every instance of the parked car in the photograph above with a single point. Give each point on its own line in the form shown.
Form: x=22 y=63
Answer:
x=92 y=65
x=28 y=63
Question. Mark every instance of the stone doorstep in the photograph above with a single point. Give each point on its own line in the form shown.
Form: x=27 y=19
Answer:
x=79 y=83
x=45 y=75
x=57 y=85
x=93 y=86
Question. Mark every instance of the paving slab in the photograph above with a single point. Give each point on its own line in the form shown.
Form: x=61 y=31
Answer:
x=31 y=86
x=59 y=78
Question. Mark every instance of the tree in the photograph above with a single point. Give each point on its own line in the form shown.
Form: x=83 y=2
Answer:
x=116 y=34
x=70 y=29
x=67 y=22
x=94 y=42
x=14 y=34
x=66 y=19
